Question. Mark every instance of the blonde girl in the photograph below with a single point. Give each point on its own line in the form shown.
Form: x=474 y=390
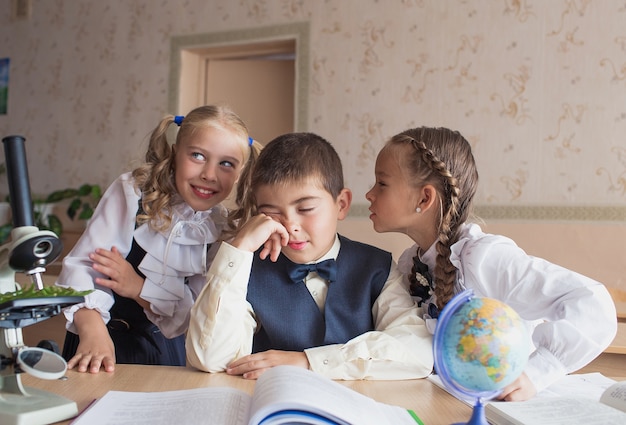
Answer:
x=148 y=246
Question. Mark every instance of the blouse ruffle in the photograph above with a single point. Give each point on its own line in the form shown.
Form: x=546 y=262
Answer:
x=405 y=265
x=176 y=254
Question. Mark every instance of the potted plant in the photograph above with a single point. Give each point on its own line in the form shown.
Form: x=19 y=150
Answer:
x=82 y=202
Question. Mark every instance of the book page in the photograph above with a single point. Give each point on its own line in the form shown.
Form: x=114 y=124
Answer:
x=584 y=385
x=553 y=411
x=294 y=388
x=226 y=406
x=615 y=396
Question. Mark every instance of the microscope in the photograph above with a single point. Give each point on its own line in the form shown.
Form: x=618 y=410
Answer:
x=28 y=251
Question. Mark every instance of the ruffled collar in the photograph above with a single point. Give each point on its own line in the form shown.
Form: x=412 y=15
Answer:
x=188 y=228
x=177 y=255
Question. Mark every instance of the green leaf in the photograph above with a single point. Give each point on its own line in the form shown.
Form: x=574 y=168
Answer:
x=86 y=212
x=55 y=225
x=5 y=232
x=96 y=192
x=73 y=208
x=60 y=195
x=84 y=190
x=47 y=291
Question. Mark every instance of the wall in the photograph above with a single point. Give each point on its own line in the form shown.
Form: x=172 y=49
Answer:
x=590 y=248
x=537 y=86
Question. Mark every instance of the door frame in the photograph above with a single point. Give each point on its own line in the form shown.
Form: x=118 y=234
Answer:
x=298 y=31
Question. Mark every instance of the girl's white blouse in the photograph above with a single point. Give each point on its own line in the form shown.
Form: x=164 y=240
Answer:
x=571 y=317
x=172 y=257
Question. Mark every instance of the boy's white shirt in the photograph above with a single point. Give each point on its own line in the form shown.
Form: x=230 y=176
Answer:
x=223 y=324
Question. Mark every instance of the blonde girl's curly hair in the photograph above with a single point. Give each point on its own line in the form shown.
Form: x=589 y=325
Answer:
x=444 y=159
x=155 y=177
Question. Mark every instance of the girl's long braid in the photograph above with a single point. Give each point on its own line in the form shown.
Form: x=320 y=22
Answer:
x=443 y=159
x=448 y=235
x=445 y=272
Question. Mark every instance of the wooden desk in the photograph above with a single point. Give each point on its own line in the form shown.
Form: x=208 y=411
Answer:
x=620 y=306
x=618 y=346
x=432 y=404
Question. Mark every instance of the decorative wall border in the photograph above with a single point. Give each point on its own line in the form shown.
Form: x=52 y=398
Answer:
x=538 y=212
x=300 y=31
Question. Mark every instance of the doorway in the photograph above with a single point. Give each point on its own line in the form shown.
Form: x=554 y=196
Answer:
x=262 y=74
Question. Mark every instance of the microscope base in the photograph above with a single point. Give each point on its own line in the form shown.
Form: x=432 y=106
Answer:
x=33 y=406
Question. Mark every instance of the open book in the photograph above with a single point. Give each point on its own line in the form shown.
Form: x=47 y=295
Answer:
x=610 y=410
x=584 y=385
x=284 y=394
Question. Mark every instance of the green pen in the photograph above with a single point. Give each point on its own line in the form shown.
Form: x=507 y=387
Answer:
x=415 y=417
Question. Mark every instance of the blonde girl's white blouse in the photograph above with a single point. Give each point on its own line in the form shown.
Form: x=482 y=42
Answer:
x=173 y=257
x=572 y=317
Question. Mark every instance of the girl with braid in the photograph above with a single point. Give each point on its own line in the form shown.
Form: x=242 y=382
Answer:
x=426 y=179
x=145 y=251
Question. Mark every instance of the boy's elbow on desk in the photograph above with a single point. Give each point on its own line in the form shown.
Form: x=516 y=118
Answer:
x=204 y=365
x=207 y=360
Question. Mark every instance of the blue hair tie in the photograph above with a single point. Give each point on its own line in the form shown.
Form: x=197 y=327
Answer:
x=178 y=119
x=250 y=141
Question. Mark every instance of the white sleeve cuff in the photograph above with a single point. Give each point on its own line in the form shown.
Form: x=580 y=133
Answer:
x=97 y=300
x=327 y=360
x=543 y=369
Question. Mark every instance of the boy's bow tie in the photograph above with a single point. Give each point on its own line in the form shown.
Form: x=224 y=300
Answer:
x=326 y=269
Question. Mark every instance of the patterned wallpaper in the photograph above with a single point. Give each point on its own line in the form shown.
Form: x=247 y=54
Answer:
x=537 y=86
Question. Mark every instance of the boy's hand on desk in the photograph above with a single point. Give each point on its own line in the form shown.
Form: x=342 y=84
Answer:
x=520 y=390
x=123 y=279
x=252 y=366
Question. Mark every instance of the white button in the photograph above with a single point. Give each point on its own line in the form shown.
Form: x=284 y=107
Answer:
x=231 y=264
x=326 y=361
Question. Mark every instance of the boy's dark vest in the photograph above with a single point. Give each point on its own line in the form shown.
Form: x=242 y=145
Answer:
x=288 y=316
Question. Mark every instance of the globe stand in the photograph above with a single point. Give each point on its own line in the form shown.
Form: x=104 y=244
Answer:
x=478 y=415
x=441 y=367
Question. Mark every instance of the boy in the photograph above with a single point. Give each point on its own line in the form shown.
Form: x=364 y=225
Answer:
x=351 y=318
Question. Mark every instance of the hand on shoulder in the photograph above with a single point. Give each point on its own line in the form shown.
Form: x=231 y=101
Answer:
x=121 y=276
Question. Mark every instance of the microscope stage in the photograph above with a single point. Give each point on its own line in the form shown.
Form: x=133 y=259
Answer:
x=18 y=313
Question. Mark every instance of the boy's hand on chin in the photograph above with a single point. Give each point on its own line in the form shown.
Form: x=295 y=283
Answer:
x=262 y=230
x=254 y=365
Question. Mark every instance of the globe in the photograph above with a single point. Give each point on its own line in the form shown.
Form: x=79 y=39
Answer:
x=481 y=345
